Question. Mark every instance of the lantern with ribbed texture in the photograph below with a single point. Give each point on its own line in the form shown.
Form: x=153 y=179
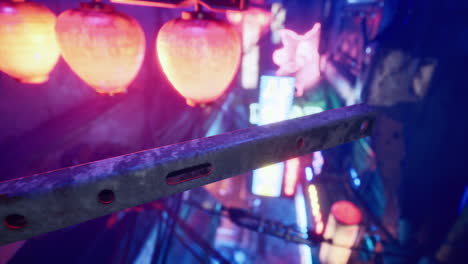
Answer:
x=103 y=47
x=199 y=55
x=28 y=47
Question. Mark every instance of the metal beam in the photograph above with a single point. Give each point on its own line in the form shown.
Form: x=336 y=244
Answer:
x=42 y=203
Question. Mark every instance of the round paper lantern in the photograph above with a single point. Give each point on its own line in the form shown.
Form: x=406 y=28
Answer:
x=199 y=55
x=103 y=47
x=28 y=47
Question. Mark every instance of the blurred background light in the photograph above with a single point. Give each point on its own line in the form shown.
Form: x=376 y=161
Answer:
x=275 y=101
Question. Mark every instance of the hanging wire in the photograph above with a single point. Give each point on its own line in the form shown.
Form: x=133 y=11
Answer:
x=171 y=230
x=184 y=4
x=290 y=233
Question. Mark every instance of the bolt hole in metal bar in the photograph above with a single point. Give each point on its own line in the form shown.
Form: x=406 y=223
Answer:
x=189 y=173
x=300 y=143
x=42 y=203
x=15 y=221
x=106 y=196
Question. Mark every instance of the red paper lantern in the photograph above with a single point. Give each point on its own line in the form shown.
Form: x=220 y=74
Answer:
x=346 y=212
x=103 y=47
x=199 y=55
x=28 y=47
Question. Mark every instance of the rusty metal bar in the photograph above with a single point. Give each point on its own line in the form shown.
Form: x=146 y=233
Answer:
x=41 y=203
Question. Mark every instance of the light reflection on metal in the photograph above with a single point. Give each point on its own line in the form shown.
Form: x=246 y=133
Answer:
x=276 y=97
x=295 y=112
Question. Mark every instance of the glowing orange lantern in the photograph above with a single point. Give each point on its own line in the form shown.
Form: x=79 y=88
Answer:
x=28 y=48
x=103 y=47
x=199 y=55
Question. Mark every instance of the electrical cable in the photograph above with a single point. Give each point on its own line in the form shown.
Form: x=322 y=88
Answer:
x=171 y=229
x=290 y=233
x=186 y=244
x=161 y=238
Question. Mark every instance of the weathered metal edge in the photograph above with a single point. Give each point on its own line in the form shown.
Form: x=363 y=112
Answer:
x=57 y=199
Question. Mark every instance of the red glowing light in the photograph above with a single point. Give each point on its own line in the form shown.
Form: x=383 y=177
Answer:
x=346 y=212
x=28 y=47
x=103 y=47
x=299 y=57
x=292 y=168
x=199 y=55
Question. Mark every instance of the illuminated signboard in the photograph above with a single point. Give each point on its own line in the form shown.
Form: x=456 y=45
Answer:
x=291 y=175
x=275 y=102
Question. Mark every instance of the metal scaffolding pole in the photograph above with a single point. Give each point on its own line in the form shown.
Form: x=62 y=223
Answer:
x=42 y=203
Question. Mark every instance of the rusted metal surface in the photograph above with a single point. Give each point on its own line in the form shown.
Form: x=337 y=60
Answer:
x=46 y=202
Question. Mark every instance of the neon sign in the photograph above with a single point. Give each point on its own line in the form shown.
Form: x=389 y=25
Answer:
x=299 y=57
x=276 y=98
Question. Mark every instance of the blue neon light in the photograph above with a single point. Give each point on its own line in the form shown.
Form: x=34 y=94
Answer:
x=354 y=177
x=309 y=173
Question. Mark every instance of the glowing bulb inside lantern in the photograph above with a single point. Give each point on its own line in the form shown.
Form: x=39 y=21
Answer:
x=28 y=46
x=103 y=47
x=199 y=55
